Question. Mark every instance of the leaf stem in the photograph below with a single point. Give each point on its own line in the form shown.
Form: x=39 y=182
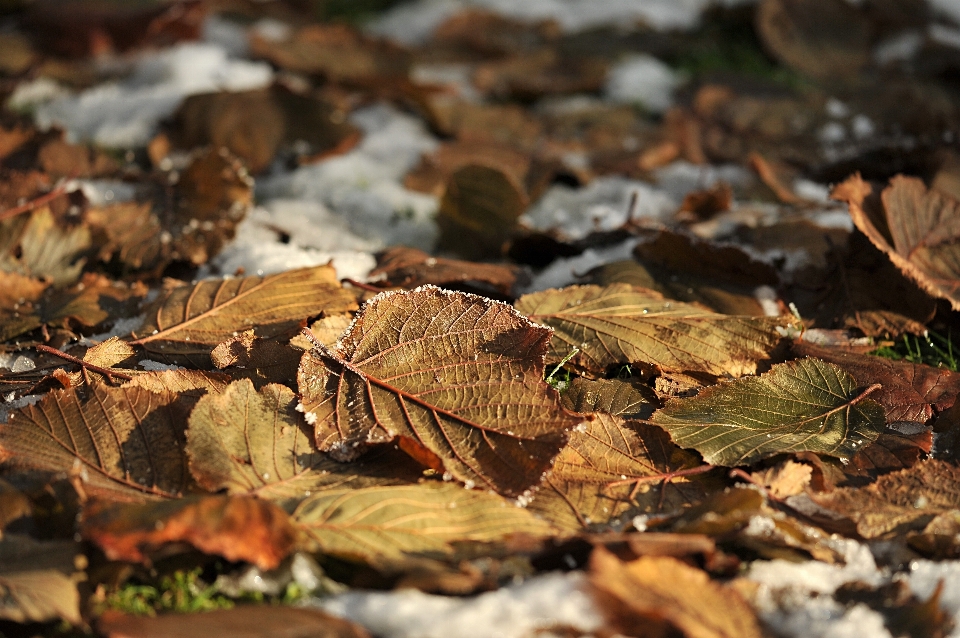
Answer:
x=563 y=362
x=107 y=372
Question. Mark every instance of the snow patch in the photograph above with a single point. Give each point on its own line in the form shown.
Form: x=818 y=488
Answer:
x=156 y=366
x=8 y=406
x=564 y=271
x=514 y=611
x=125 y=114
x=642 y=79
x=602 y=205
x=681 y=178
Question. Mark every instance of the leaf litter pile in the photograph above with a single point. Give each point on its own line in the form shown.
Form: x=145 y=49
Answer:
x=619 y=321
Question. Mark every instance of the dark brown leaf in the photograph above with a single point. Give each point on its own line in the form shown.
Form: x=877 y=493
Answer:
x=38 y=581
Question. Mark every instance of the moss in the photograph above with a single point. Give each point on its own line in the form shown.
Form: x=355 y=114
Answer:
x=931 y=348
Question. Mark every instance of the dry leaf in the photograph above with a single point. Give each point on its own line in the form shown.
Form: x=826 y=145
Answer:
x=249 y=442
x=456 y=377
x=909 y=392
x=260 y=360
x=786 y=479
x=479 y=211
x=919 y=230
x=898 y=502
x=796 y=406
x=245 y=621
x=37 y=581
x=662 y=593
x=121 y=443
x=409 y=268
x=612 y=468
x=44 y=247
x=235 y=527
x=619 y=324
x=188 y=321
x=384 y=524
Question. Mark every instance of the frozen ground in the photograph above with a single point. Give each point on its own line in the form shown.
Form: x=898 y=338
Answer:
x=349 y=206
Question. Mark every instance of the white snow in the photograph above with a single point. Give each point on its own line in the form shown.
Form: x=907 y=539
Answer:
x=412 y=23
x=680 y=178
x=7 y=405
x=15 y=362
x=948 y=8
x=566 y=270
x=156 y=366
x=925 y=575
x=642 y=79
x=364 y=187
x=514 y=611
x=125 y=113
x=947 y=36
x=28 y=95
x=901 y=47
x=603 y=204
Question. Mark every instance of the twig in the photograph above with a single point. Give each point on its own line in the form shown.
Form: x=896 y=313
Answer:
x=361 y=285
x=34 y=203
x=107 y=372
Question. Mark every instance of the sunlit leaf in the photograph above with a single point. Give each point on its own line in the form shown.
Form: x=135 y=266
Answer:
x=661 y=595
x=621 y=323
x=386 y=523
x=806 y=405
x=457 y=377
x=122 y=443
x=235 y=527
x=188 y=321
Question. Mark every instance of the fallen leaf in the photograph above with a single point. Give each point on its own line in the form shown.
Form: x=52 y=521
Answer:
x=38 y=581
x=660 y=595
x=919 y=230
x=247 y=621
x=326 y=330
x=456 y=377
x=188 y=321
x=235 y=527
x=785 y=479
x=132 y=233
x=704 y=204
x=409 y=268
x=186 y=384
x=121 y=443
x=384 y=524
x=211 y=197
x=806 y=405
x=612 y=468
x=61 y=159
x=820 y=38
x=44 y=247
x=479 y=211
x=619 y=324
x=14 y=506
x=898 y=502
x=88 y=303
x=909 y=392
x=256 y=443
x=260 y=360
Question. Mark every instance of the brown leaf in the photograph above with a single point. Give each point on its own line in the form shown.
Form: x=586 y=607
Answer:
x=479 y=211
x=188 y=321
x=247 y=621
x=249 y=442
x=326 y=330
x=14 y=505
x=132 y=233
x=253 y=124
x=457 y=377
x=613 y=468
x=187 y=384
x=210 y=199
x=898 y=502
x=409 y=268
x=535 y=74
x=235 y=527
x=435 y=170
x=704 y=204
x=919 y=231
x=660 y=595
x=62 y=159
x=260 y=360
x=89 y=303
x=336 y=51
x=37 y=580
x=820 y=38
x=620 y=323
x=382 y=525
x=909 y=392
x=121 y=443
x=786 y=479
x=40 y=245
